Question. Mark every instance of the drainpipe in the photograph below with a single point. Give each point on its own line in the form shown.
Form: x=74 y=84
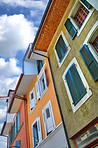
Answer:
x=57 y=99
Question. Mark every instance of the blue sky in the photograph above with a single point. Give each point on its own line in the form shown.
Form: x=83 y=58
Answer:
x=19 y=22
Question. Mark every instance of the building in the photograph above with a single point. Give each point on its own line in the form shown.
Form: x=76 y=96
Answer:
x=15 y=125
x=72 y=47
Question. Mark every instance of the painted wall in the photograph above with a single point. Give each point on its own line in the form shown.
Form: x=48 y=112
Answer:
x=22 y=133
x=40 y=104
x=87 y=112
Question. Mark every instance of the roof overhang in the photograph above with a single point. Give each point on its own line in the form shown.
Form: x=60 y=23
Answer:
x=22 y=89
x=49 y=24
x=5 y=128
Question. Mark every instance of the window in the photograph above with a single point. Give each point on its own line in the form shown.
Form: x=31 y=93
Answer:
x=9 y=140
x=40 y=64
x=81 y=15
x=77 y=88
x=89 y=51
x=18 y=144
x=61 y=49
x=78 y=17
x=87 y=137
x=37 y=133
x=90 y=61
x=48 y=118
x=32 y=99
x=17 y=123
x=41 y=85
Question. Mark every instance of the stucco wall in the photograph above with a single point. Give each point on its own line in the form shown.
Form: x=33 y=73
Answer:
x=40 y=104
x=87 y=112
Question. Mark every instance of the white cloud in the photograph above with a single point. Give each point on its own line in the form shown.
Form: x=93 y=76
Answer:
x=3 y=114
x=10 y=67
x=16 y=32
x=40 y=4
x=6 y=84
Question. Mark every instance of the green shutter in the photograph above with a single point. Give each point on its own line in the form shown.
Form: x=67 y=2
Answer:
x=70 y=28
x=90 y=61
x=18 y=144
x=75 y=84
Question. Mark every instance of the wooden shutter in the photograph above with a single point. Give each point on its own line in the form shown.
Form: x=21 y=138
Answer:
x=87 y=4
x=38 y=89
x=15 y=125
x=39 y=129
x=18 y=143
x=18 y=116
x=71 y=29
x=12 y=134
x=32 y=99
x=48 y=117
x=75 y=84
x=90 y=61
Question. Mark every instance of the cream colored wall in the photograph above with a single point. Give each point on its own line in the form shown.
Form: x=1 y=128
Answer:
x=87 y=112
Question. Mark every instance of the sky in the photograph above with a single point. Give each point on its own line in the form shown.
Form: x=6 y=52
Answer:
x=19 y=22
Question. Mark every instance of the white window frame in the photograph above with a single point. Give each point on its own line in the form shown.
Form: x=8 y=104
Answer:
x=38 y=121
x=51 y=114
x=33 y=91
x=38 y=84
x=86 y=96
x=73 y=12
x=88 y=38
x=68 y=46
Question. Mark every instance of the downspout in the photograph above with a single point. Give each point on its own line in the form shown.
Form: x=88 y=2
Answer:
x=57 y=99
x=26 y=121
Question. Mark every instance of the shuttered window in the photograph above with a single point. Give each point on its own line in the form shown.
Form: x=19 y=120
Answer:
x=32 y=99
x=70 y=28
x=12 y=134
x=37 y=132
x=48 y=118
x=61 y=48
x=18 y=117
x=75 y=84
x=90 y=61
x=18 y=144
x=87 y=4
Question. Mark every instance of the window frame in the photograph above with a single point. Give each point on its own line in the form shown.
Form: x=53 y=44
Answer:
x=86 y=96
x=73 y=12
x=36 y=121
x=52 y=116
x=68 y=47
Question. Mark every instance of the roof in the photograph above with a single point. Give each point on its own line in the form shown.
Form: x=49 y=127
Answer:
x=48 y=26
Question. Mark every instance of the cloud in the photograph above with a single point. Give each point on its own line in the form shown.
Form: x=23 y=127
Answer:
x=40 y=4
x=16 y=32
x=10 y=67
x=6 y=84
x=3 y=114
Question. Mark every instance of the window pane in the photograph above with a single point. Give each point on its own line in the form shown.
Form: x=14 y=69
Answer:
x=35 y=134
x=94 y=69
x=58 y=51
x=47 y=113
x=32 y=96
x=62 y=45
x=95 y=44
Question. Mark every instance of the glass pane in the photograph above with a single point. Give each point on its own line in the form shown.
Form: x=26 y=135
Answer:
x=63 y=45
x=87 y=137
x=47 y=113
x=68 y=24
x=94 y=69
x=72 y=31
x=58 y=51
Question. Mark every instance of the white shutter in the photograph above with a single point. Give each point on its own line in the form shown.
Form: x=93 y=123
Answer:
x=38 y=89
x=45 y=79
x=32 y=101
x=44 y=118
x=49 y=120
x=39 y=129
